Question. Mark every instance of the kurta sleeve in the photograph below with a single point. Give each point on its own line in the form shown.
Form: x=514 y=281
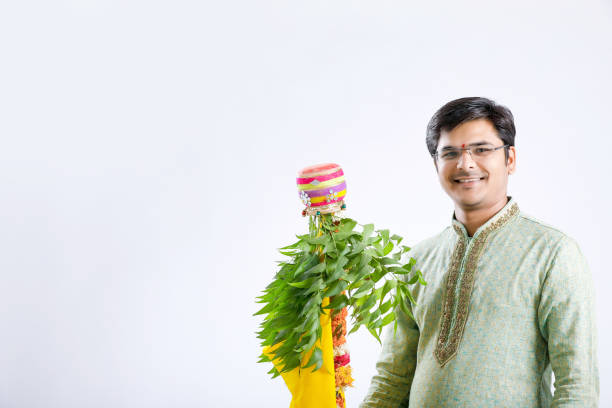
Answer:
x=566 y=317
x=390 y=387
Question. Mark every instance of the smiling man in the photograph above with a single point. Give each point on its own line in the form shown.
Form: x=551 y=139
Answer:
x=509 y=299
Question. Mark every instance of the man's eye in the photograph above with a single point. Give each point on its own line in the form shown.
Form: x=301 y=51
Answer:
x=482 y=149
x=449 y=155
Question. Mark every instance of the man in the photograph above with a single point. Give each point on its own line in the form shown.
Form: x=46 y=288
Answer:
x=509 y=299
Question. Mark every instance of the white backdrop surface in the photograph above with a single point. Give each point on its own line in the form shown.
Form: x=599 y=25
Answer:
x=149 y=153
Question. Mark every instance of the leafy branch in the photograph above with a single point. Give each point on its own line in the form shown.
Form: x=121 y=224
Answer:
x=361 y=270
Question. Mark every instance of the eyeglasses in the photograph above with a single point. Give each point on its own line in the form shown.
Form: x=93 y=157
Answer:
x=451 y=154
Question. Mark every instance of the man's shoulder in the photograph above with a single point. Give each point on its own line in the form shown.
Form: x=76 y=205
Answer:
x=433 y=242
x=530 y=225
x=566 y=265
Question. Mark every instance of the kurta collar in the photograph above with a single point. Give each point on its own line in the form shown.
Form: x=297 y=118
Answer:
x=497 y=221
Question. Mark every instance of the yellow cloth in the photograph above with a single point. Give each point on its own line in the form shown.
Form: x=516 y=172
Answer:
x=318 y=389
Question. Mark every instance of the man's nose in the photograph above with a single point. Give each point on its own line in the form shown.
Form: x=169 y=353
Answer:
x=465 y=160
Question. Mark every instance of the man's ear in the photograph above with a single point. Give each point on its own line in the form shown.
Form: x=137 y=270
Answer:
x=511 y=163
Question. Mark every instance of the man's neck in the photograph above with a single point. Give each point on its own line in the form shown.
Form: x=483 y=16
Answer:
x=473 y=219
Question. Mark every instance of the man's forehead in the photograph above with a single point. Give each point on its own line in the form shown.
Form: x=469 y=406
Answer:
x=470 y=133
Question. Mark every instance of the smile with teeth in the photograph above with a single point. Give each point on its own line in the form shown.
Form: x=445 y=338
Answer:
x=470 y=180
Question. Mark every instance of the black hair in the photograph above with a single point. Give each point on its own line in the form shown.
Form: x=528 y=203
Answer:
x=462 y=110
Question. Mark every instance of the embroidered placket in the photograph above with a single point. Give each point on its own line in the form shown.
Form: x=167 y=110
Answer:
x=462 y=272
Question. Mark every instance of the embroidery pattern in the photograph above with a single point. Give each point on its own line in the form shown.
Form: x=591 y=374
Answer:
x=448 y=343
x=442 y=352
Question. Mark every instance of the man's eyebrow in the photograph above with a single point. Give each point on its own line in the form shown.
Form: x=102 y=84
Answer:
x=448 y=147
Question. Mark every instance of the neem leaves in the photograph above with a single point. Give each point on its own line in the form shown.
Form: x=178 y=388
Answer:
x=355 y=269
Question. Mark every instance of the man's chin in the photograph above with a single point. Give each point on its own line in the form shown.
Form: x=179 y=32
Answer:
x=467 y=201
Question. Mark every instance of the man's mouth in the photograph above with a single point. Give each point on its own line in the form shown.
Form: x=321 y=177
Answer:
x=468 y=180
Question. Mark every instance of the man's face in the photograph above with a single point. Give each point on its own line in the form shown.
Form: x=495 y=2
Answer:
x=491 y=171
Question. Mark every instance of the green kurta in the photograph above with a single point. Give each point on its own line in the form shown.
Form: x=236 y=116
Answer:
x=500 y=310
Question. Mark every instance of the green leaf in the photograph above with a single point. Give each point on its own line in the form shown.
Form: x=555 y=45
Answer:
x=389 y=261
x=373 y=317
x=263 y=358
x=343 y=247
x=384 y=308
x=306 y=262
x=388 y=248
x=342 y=235
x=388 y=286
x=330 y=266
x=315 y=270
x=358 y=248
x=335 y=288
x=310 y=341
x=363 y=272
x=405 y=309
x=370 y=251
x=375 y=324
x=376 y=336
x=365 y=260
x=347 y=225
x=338 y=302
x=305 y=246
x=266 y=309
x=312 y=306
x=338 y=268
x=421 y=280
x=316 y=359
x=378 y=249
x=370 y=301
x=330 y=247
x=374 y=240
x=322 y=240
x=357 y=283
x=397 y=270
x=396 y=238
x=281 y=323
x=316 y=286
x=354 y=328
x=410 y=263
x=407 y=266
x=388 y=319
x=292 y=246
x=378 y=273
x=353 y=261
x=368 y=229
x=303 y=284
x=407 y=294
x=357 y=302
x=385 y=235
x=364 y=288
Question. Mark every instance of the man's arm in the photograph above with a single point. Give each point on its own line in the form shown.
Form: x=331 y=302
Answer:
x=566 y=316
x=390 y=388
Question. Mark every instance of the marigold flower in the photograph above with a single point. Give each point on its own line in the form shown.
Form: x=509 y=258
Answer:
x=339 y=340
x=339 y=323
x=343 y=376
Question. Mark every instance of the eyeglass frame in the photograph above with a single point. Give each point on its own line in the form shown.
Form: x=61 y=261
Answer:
x=468 y=149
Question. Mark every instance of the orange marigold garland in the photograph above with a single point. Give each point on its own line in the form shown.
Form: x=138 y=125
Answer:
x=342 y=358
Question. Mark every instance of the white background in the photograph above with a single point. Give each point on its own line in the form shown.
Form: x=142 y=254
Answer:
x=148 y=158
